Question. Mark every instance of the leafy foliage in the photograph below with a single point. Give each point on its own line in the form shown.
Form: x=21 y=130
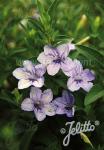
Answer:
x=25 y=27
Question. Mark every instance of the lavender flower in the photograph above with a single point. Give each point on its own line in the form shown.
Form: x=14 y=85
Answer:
x=30 y=74
x=79 y=77
x=64 y=104
x=56 y=58
x=40 y=103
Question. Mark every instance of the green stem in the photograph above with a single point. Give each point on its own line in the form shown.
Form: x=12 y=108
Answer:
x=83 y=40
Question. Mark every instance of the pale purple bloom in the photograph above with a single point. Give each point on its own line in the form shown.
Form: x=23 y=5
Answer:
x=56 y=58
x=79 y=77
x=30 y=75
x=40 y=103
x=64 y=104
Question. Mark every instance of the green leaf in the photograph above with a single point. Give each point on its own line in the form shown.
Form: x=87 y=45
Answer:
x=49 y=83
x=86 y=139
x=18 y=51
x=8 y=97
x=44 y=17
x=53 y=6
x=95 y=93
x=91 y=54
x=61 y=82
x=17 y=95
x=26 y=139
x=40 y=7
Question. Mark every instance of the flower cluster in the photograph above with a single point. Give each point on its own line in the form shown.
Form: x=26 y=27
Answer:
x=52 y=60
x=29 y=75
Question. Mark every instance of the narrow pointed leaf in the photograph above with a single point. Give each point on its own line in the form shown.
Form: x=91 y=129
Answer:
x=86 y=139
x=95 y=93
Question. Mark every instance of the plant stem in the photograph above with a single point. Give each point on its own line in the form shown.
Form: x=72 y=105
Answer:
x=83 y=40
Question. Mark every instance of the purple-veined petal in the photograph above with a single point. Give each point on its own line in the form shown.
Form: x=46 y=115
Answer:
x=40 y=70
x=88 y=75
x=19 y=73
x=72 y=85
x=78 y=68
x=87 y=86
x=68 y=98
x=59 y=102
x=67 y=67
x=63 y=103
x=60 y=105
x=28 y=65
x=49 y=110
x=53 y=68
x=63 y=50
x=47 y=96
x=60 y=110
x=43 y=59
x=39 y=114
x=35 y=93
x=50 y=51
x=27 y=105
x=70 y=113
x=23 y=83
x=39 y=82
x=71 y=46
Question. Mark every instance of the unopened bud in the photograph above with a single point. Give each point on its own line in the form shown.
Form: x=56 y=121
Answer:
x=82 y=22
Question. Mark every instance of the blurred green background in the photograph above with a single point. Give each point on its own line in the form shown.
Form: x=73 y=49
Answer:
x=23 y=36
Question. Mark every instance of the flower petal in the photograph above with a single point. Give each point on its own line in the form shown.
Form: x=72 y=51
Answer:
x=88 y=75
x=71 y=46
x=76 y=68
x=27 y=105
x=39 y=82
x=59 y=105
x=59 y=102
x=28 y=65
x=70 y=113
x=47 y=96
x=40 y=114
x=22 y=84
x=49 y=110
x=40 y=70
x=19 y=73
x=60 y=111
x=35 y=93
x=72 y=85
x=50 y=51
x=87 y=86
x=53 y=68
x=43 y=59
x=63 y=50
x=67 y=67
x=68 y=98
